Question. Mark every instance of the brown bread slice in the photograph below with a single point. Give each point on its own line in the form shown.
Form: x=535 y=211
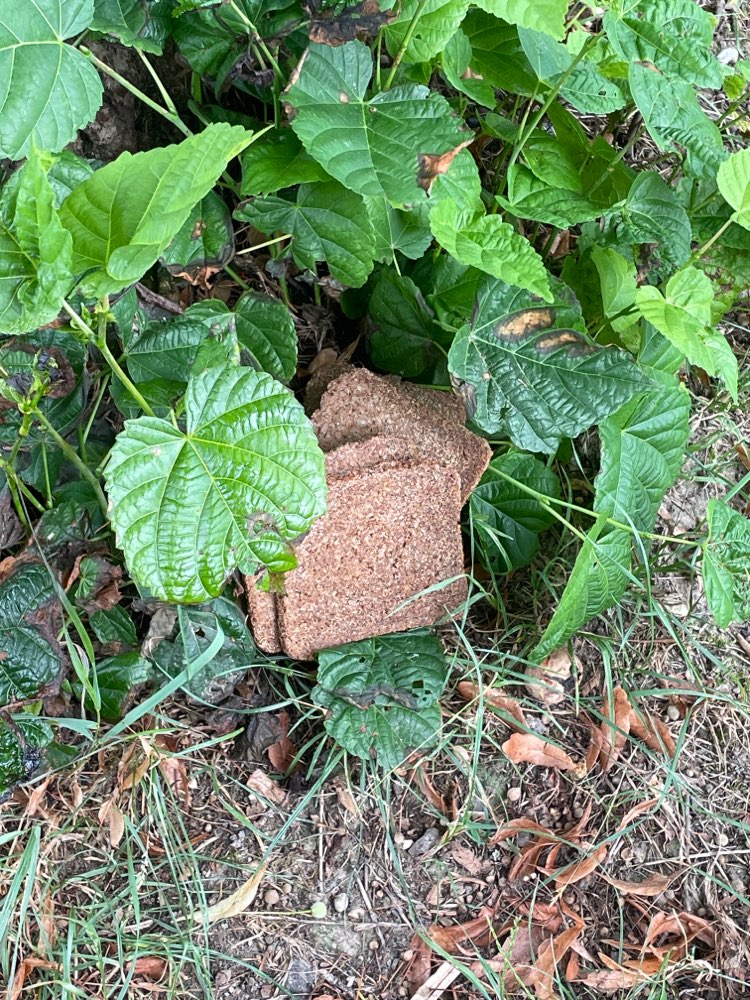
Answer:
x=375 y=452
x=388 y=534
x=359 y=405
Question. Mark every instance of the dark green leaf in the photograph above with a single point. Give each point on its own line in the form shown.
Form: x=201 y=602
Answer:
x=404 y=336
x=278 y=160
x=21 y=745
x=204 y=243
x=266 y=331
x=653 y=214
x=144 y=24
x=497 y=53
x=29 y=654
x=397 y=230
x=242 y=481
x=382 y=695
x=505 y=518
x=120 y=679
x=114 y=625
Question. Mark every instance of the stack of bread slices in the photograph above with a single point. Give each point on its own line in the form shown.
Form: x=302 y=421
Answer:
x=388 y=555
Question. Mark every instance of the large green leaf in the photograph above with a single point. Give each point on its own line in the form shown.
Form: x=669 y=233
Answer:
x=233 y=489
x=326 y=222
x=674 y=118
x=372 y=147
x=29 y=654
x=213 y=682
x=382 y=695
x=683 y=315
x=652 y=213
x=436 y=23
x=266 y=331
x=526 y=370
x=497 y=54
x=35 y=250
x=120 y=679
x=398 y=230
x=733 y=180
x=673 y=35
x=144 y=24
x=278 y=160
x=204 y=243
x=532 y=198
x=726 y=564
x=582 y=85
x=491 y=245
x=643 y=446
x=126 y=214
x=506 y=519
x=48 y=90
x=543 y=15
x=404 y=337
x=455 y=65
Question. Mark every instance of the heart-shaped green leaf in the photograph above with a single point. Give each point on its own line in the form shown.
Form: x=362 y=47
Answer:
x=29 y=654
x=233 y=489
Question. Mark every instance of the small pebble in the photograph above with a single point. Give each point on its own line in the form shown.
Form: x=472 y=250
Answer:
x=408 y=955
x=406 y=844
x=722 y=840
x=341 y=903
x=701 y=911
x=578 y=812
x=286 y=888
x=271 y=897
x=267 y=990
x=514 y=794
x=729 y=55
x=673 y=713
x=319 y=910
x=357 y=913
x=374 y=944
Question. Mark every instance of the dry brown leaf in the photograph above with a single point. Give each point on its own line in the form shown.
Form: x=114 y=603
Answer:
x=27 y=965
x=528 y=860
x=677 y=931
x=174 y=770
x=235 y=903
x=525 y=748
x=615 y=728
x=134 y=764
x=150 y=967
x=429 y=791
x=510 y=711
x=653 y=732
x=545 y=682
x=281 y=754
x=653 y=886
x=521 y=825
x=266 y=787
x=466 y=858
x=477 y=931
x=635 y=811
x=109 y=815
x=610 y=980
x=596 y=743
x=551 y=953
x=345 y=797
x=580 y=869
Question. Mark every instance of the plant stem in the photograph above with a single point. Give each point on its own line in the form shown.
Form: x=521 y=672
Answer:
x=174 y=118
x=709 y=243
x=170 y=105
x=100 y=341
x=268 y=243
x=257 y=37
x=405 y=44
x=72 y=455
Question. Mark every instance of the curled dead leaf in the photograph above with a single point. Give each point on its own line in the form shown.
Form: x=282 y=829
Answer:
x=507 y=708
x=235 y=903
x=149 y=967
x=580 y=869
x=615 y=728
x=545 y=682
x=653 y=886
x=526 y=748
x=266 y=787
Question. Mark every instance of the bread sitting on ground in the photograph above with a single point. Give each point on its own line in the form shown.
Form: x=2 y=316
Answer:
x=387 y=556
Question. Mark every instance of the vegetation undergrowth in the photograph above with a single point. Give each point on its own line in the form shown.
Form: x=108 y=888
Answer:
x=527 y=204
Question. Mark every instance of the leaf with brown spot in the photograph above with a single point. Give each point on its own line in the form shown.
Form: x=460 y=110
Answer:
x=508 y=708
x=361 y=21
x=526 y=748
x=431 y=165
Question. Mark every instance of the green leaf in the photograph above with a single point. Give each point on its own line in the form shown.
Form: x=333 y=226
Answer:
x=213 y=682
x=726 y=564
x=49 y=89
x=372 y=147
x=497 y=54
x=266 y=331
x=437 y=21
x=126 y=214
x=66 y=172
x=143 y=24
x=583 y=86
x=643 y=447
x=404 y=336
x=382 y=695
x=35 y=250
x=505 y=518
x=120 y=679
x=675 y=120
x=20 y=749
x=683 y=316
x=733 y=179
x=205 y=241
x=278 y=160
x=113 y=625
x=29 y=654
x=674 y=35
x=326 y=222
x=528 y=372
x=455 y=61
x=491 y=245
x=531 y=198
x=618 y=279
x=547 y=16
x=653 y=214
x=232 y=490
x=167 y=349
x=397 y=230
